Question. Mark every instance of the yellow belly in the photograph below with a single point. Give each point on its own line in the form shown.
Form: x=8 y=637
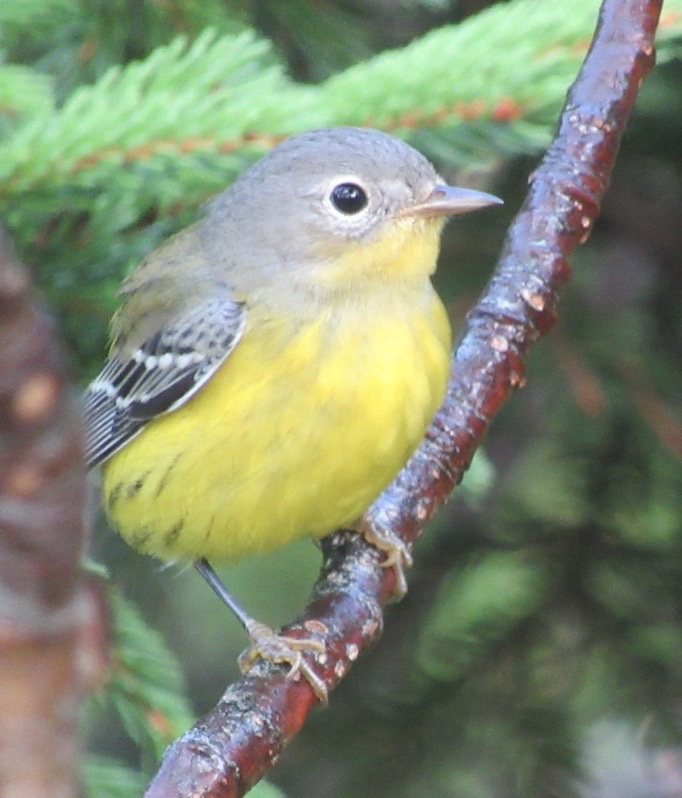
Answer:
x=294 y=436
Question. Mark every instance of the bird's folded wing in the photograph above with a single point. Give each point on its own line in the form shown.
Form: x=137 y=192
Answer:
x=159 y=376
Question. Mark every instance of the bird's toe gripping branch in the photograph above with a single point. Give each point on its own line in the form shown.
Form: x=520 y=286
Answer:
x=398 y=553
x=271 y=647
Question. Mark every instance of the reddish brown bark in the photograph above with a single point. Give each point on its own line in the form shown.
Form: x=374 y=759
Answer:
x=51 y=635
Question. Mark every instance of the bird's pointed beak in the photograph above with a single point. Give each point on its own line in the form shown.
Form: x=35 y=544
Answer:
x=451 y=201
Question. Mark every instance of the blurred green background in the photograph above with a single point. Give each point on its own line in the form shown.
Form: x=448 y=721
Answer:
x=539 y=650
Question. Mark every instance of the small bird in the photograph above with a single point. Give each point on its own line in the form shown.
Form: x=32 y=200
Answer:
x=274 y=365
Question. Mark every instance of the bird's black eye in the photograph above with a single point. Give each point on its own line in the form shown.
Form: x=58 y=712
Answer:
x=348 y=198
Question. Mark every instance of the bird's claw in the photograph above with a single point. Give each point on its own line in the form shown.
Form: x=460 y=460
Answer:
x=398 y=554
x=271 y=647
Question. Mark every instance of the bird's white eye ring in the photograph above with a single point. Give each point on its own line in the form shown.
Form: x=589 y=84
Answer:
x=348 y=198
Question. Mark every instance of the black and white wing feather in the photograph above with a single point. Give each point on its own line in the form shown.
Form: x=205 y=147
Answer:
x=159 y=376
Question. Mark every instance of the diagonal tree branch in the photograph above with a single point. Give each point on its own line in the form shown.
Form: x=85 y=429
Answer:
x=232 y=746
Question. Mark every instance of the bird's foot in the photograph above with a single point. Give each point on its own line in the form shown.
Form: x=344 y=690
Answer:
x=271 y=647
x=398 y=555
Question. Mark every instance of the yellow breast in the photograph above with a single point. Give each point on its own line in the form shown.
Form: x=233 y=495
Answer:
x=295 y=435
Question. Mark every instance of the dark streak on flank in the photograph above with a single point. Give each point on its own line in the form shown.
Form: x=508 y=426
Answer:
x=133 y=488
x=164 y=479
x=115 y=495
x=209 y=530
x=173 y=533
x=139 y=537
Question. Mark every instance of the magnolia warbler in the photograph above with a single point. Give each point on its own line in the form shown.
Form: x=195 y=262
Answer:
x=273 y=366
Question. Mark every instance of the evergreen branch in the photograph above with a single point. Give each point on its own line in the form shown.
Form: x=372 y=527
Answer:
x=437 y=88
x=155 y=120
x=24 y=93
x=177 y=99
x=145 y=684
x=484 y=89
x=230 y=748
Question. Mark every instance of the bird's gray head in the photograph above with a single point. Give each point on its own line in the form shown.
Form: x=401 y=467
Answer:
x=317 y=196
